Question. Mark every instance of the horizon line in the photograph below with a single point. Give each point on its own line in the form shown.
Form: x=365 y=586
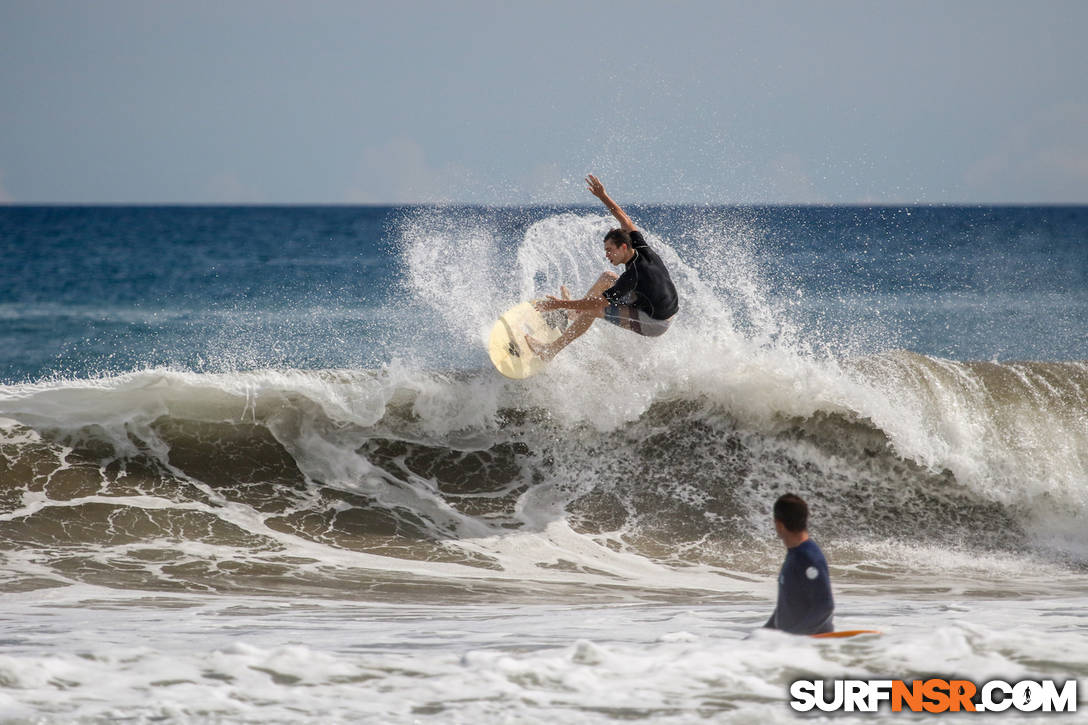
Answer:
x=512 y=205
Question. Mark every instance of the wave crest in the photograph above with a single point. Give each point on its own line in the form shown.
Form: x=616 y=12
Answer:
x=425 y=467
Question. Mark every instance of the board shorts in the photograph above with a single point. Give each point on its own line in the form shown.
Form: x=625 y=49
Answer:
x=638 y=321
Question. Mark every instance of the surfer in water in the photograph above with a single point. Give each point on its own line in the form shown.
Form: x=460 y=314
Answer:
x=805 y=604
x=642 y=299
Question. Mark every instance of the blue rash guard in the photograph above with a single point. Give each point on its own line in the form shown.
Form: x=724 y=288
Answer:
x=805 y=604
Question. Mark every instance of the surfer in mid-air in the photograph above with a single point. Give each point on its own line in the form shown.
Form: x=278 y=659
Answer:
x=642 y=299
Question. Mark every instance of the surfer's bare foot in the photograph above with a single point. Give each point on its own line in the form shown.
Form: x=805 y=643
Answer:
x=542 y=351
x=565 y=294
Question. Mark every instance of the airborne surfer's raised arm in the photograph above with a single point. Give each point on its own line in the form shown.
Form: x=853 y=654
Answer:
x=597 y=189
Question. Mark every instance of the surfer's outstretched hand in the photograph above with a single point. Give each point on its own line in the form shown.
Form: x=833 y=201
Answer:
x=550 y=303
x=595 y=186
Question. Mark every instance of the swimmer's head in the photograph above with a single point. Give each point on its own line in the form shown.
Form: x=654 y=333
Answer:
x=792 y=511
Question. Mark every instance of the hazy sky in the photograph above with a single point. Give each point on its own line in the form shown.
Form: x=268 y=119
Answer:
x=514 y=102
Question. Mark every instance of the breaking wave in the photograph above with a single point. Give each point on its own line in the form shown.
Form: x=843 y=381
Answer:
x=627 y=458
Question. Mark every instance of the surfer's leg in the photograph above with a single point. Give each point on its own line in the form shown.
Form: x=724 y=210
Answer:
x=576 y=329
x=606 y=280
x=578 y=324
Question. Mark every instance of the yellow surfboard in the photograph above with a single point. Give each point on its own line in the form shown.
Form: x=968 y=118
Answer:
x=507 y=348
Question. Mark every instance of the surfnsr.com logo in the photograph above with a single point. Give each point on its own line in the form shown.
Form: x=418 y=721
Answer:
x=933 y=695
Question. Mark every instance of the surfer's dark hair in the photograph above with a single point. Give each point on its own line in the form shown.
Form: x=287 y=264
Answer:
x=618 y=237
x=792 y=511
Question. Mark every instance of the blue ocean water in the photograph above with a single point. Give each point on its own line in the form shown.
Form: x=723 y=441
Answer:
x=90 y=290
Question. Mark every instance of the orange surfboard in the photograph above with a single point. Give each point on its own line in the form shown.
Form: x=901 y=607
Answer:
x=845 y=633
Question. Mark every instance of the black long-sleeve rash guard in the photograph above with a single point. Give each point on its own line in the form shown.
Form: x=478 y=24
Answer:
x=649 y=280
